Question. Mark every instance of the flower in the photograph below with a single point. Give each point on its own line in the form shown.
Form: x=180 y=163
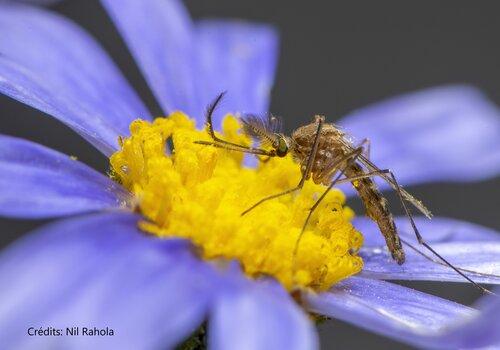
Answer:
x=96 y=268
x=199 y=193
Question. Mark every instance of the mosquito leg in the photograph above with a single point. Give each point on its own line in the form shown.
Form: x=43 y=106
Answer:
x=414 y=226
x=412 y=247
x=408 y=197
x=397 y=187
x=208 y=116
x=364 y=176
x=305 y=174
x=445 y=262
x=349 y=159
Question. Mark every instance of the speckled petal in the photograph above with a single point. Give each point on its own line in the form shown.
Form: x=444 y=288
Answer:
x=409 y=316
x=449 y=133
x=100 y=271
x=37 y=182
x=51 y=64
x=260 y=315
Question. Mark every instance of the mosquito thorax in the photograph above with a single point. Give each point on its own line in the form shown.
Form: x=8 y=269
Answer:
x=330 y=147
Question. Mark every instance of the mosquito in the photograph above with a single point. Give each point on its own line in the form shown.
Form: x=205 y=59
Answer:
x=327 y=156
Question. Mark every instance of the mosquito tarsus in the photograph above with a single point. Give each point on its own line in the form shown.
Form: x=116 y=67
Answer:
x=324 y=153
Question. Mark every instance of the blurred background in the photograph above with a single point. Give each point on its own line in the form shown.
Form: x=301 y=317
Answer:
x=335 y=57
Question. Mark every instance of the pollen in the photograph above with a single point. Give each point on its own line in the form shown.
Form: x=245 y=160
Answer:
x=198 y=192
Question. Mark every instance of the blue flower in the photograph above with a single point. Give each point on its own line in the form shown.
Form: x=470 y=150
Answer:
x=96 y=269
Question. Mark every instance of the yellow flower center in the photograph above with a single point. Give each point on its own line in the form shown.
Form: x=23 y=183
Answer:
x=199 y=192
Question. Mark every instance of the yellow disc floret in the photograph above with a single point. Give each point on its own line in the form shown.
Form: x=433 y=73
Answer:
x=199 y=192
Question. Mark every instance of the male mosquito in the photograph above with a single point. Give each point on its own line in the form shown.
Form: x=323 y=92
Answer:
x=326 y=156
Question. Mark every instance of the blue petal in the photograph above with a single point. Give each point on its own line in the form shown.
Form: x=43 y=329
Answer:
x=258 y=315
x=186 y=66
x=439 y=229
x=480 y=257
x=407 y=315
x=49 y=63
x=239 y=58
x=442 y=134
x=100 y=271
x=36 y=182
x=159 y=33
x=483 y=330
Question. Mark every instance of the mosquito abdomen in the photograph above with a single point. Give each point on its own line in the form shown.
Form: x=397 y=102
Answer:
x=376 y=208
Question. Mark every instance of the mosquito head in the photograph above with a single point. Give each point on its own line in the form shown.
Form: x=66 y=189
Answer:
x=281 y=145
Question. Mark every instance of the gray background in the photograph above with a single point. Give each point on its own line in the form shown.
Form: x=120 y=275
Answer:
x=335 y=56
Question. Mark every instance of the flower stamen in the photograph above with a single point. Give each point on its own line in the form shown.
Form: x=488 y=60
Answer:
x=198 y=192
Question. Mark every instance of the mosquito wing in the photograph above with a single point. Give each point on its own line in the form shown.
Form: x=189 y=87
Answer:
x=406 y=195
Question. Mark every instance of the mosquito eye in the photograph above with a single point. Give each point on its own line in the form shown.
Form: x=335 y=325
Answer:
x=282 y=148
